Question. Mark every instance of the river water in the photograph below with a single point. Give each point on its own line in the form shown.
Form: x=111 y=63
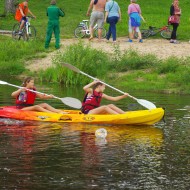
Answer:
x=69 y=156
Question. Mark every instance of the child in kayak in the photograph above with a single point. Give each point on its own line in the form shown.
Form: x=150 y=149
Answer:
x=25 y=99
x=93 y=97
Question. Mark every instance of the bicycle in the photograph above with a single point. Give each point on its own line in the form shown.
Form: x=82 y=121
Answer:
x=164 y=31
x=28 y=31
x=83 y=30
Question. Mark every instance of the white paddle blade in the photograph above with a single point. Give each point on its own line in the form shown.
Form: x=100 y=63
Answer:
x=3 y=82
x=146 y=104
x=72 y=102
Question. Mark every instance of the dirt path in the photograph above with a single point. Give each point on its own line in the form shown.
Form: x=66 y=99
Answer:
x=160 y=47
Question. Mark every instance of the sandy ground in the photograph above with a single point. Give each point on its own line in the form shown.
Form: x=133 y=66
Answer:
x=159 y=47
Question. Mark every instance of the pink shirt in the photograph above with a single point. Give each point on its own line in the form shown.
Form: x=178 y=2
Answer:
x=134 y=8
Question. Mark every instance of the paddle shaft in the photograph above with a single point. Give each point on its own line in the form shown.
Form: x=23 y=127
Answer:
x=145 y=103
x=32 y=90
x=108 y=85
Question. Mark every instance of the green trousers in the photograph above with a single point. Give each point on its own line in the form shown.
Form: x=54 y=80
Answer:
x=53 y=26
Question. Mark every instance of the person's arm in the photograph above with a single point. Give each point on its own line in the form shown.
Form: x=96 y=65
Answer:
x=142 y=18
x=87 y=87
x=90 y=8
x=44 y=96
x=31 y=13
x=17 y=92
x=119 y=14
x=106 y=15
x=111 y=98
x=61 y=13
x=21 y=11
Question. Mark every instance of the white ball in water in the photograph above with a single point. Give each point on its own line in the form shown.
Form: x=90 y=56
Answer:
x=101 y=133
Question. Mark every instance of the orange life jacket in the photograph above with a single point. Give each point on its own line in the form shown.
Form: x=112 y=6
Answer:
x=18 y=15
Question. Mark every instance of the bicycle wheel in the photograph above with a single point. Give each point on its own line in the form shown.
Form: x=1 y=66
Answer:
x=15 y=32
x=104 y=32
x=79 y=32
x=31 y=33
x=145 y=33
x=166 y=33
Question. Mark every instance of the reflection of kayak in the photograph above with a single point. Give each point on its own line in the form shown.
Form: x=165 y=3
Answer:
x=124 y=134
x=141 y=117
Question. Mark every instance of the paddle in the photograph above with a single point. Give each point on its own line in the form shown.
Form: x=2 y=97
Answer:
x=145 y=103
x=72 y=102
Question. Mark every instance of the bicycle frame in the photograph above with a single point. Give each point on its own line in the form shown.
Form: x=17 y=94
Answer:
x=84 y=24
x=154 y=30
x=27 y=25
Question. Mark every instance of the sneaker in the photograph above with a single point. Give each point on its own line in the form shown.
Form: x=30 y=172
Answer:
x=176 y=42
x=130 y=40
x=140 y=41
x=20 y=32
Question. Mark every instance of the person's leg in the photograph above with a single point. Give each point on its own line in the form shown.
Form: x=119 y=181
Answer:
x=108 y=35
x=113 y=22
x=175 y=26
x=139 y=34
x=116 y=109
x=100 y=22
x=36 y=108
x=50 y=108
x=57 y=34
x=48 y=34
x=99 y=33
x=130 y=32
x=103 y=110
x=92 y=23
x=22 y=25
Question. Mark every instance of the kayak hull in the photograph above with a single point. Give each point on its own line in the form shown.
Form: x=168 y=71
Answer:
x=140 y=117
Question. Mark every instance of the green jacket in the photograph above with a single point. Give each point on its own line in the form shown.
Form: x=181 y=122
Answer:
x=53 y=13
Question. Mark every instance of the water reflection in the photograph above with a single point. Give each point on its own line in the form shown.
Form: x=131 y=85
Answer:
x=70 y=154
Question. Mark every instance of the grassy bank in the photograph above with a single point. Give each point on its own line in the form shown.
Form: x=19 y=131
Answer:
x=155 y=13
x=129 y=69
x=14 y=55
x=142 y=72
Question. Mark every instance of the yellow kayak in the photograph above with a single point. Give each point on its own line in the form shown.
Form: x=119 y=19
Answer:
x=140 y=117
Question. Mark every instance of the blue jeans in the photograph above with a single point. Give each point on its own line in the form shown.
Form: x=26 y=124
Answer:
x=112 y=28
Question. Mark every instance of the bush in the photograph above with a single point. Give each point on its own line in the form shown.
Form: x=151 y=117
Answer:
x=131 y=60
x=91 y=61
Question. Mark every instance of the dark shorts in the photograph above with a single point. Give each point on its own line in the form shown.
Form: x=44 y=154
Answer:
x=23 y=18
x=23 y=106
x=85 y=111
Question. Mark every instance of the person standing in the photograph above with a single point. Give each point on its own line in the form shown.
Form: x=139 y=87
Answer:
x=97 y=16
x=21 y=13
x=112 y=16
x=134 y=12
x=175 y=11
x=53 y=13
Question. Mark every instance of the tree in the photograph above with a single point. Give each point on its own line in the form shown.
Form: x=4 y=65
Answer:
x=10 y=6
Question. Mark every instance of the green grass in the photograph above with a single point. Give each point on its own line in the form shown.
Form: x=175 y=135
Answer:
x=79 y=56
x=135 y=71
x=14 y=54
x=155 y=13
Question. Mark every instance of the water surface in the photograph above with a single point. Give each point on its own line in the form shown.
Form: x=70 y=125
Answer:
x=69 y=156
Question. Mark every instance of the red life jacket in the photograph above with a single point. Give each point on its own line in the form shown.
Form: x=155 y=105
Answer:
x=91 y=102
x=26 y=98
